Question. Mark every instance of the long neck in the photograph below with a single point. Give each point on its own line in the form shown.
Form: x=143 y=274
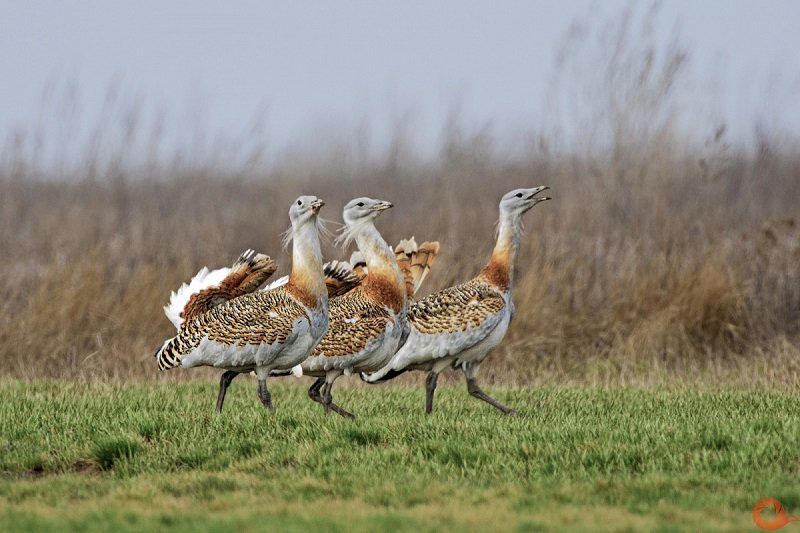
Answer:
x=306 y=282
x=384 y=282
x=500 y=270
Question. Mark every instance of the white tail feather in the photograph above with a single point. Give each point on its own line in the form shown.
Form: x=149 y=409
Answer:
x=204 y=279
x=280 y=282
x=408 y=246
x=356 y=259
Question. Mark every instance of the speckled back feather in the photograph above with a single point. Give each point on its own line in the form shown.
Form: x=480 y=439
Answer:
x=262 y=317
x=456 y=308
x=355 y=318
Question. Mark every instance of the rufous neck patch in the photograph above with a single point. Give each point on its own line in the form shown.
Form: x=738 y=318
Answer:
x=384 y=290
x=300 y=289
x=498 y=271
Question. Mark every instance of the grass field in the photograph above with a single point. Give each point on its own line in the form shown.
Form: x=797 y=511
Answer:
x=134 y=457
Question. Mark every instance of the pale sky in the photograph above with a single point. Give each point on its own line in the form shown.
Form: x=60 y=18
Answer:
x=313 y=68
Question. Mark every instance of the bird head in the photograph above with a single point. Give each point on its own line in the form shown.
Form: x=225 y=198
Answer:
x=358 y=213
x=359 y=209
x=304 y=209
x=519 y=201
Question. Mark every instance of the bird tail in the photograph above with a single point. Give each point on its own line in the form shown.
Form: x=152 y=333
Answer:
x=358 y=263
x=340 y=278
x=169 y=355
x=250 y=271
x=209 y=288
x=415 y=262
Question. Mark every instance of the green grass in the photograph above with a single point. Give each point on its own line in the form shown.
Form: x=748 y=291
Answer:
x=136 y=457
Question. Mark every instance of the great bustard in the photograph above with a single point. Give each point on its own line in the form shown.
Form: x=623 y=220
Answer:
x=459 y=326
x=265 y=330
x=366 y=323
x=209 y=288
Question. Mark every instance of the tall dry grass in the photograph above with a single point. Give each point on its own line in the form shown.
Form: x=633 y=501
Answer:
x=660 y=259
x=673 y=274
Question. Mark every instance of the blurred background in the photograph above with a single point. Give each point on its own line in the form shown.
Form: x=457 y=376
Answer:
x=141 y=141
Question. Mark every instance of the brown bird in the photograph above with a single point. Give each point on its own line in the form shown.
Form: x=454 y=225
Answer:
x=263 y=331
x=459 y=326
x=368 y=321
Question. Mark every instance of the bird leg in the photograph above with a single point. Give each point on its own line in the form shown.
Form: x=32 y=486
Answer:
x=327 y=401
x=263 y=394
x=314 y=393
x=224 y=381
x=477 y=392
x=430 y=388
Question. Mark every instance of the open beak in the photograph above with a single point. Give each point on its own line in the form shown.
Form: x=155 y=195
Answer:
x=382 y=206
x=316 y=205
x=536 y=191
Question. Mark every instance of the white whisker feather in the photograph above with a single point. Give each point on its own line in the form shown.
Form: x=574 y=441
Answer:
x=348 y=233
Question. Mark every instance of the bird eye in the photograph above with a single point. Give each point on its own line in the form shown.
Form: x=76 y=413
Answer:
x=360 y=204
x=519 y=195
x=299 y=202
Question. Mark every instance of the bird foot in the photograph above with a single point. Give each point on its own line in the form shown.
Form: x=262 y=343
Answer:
x=338 y=410
x=264 y=394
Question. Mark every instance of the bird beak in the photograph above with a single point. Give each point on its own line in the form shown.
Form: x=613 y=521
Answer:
x=316 y=205
x=536 y=191
x=382 y=206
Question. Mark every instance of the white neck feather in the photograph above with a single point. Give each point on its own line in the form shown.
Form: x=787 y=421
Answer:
x=501 y=265
x=378 y=255
x=307 y=259
x=509 y=232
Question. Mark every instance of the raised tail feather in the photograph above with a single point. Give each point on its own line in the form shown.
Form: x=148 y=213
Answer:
x=340 y=278
x=402 y=253
x=358 y=263
x=210 y=288
x=423 y=260
x=255 y=269
x=415 y=261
